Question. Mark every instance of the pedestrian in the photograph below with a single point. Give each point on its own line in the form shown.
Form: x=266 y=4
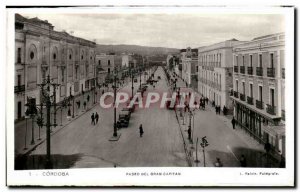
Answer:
x=282 y=162
x=219 y=110
x=218 y=163
x=243 y=161
x=216 y=110
x=141 y=130
x=96 y=117
x=233 y=122
x=93 y=118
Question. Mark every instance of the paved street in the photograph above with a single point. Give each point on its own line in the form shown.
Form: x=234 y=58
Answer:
x=165 y=142
x=81 y=144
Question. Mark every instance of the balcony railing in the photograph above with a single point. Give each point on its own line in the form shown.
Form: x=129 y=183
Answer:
x=271 y=72
x=283 y=114
x=242 y=69
x=19 y=88
x=242 y=97
x=283 y=73
x=236 y=94
x=259 y=104
x=259 y=71
x=250 y=70
x=271 y=109
x=250 y=100
x=236 y=69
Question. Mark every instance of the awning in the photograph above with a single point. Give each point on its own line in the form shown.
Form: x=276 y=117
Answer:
x=274 y=130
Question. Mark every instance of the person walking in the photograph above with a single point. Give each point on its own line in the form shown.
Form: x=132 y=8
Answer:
x=243 y=161
x=141 y=130
x=233 y=122
x=93 y=119
x=218 y=163
x=96 y=117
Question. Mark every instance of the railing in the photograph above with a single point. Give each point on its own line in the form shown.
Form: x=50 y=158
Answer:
x=19 y=88
x=259 y=104
x=283 y=114
x=242 y=69
x=271 y=109
x=236 y=94
x=236 y=69
x=271 y=72
x=283 y=73
x=250 y=100
x=250 y=70
x=242 y=97
x=259 y=71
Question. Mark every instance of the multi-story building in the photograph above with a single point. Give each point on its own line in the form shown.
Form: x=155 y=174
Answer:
x=190 y=67
x=215 y=72
x=259 y=89
x=41 y=51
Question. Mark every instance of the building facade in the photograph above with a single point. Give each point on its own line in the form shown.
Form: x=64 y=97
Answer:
x=215 y=72
x=190 y=67
x=259 y=89
x=41 y=51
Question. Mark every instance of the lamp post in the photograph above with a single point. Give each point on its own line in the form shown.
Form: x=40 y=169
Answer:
x=26 y=117
x=47 y=83
x=115 y=134
x=203 y=145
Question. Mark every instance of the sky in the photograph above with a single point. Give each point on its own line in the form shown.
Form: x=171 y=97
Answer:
x=165 y=30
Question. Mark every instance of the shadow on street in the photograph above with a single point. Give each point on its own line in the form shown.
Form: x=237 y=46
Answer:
x=39 y=161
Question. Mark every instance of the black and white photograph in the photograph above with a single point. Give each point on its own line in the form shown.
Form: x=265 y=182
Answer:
x=172 y=96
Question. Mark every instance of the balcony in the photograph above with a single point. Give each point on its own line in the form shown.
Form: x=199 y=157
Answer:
x=259 y=71
x=236 y=69
x=259 y=104
x=283 y=73
x=271 y=109
x=242 y=97
x=236 y=94
x=242 y=69
x=271 y=72
x=19 y=88
x=250 y=100
x=250 y=70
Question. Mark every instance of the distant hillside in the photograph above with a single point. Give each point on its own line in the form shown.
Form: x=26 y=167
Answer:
x=141 y=50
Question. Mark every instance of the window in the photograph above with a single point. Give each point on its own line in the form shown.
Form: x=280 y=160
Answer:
x=237 y=85
x=260 y=60
x=243 y=60
x=244 y=88
x=108 y=62
x=251 y=90
x=70 y=56
x=237 y=60
x=54 y=56
x=272 y=60
x=31 y=55
x=260 y=92
x=272 y=97
x=108 y=70
x=19 y=55
x=19 y=80
x=250 y=60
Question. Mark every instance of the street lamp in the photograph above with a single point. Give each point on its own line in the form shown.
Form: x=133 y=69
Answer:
x=115 y=133
x=47 y=99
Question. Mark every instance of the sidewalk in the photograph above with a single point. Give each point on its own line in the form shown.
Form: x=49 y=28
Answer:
x=242 y=134
x=61 y=121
